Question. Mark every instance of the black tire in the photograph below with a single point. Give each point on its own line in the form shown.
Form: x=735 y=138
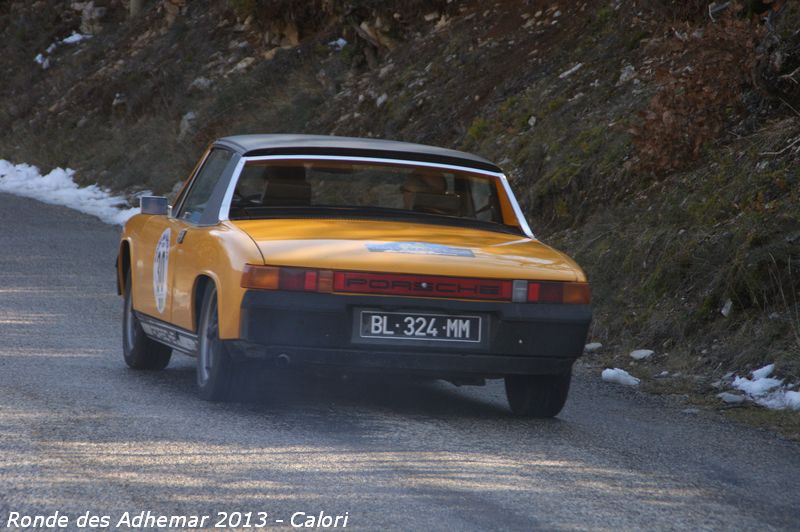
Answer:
x=215 y=367
x=138 y=350
x=538 y=396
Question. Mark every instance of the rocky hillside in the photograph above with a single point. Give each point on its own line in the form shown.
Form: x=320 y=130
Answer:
x=656 y=141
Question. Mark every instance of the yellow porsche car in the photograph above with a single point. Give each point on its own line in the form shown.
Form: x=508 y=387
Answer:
x=353 y=255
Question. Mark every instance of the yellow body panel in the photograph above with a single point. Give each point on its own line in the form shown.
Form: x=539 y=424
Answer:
x=342 y=245
x=220 y=252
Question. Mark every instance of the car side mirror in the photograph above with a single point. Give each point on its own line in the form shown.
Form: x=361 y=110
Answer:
x=154 y=205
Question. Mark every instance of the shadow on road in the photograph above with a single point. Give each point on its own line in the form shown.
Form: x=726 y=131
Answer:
x=264 y=387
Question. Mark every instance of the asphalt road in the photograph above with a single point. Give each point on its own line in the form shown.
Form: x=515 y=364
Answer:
x=79 y=432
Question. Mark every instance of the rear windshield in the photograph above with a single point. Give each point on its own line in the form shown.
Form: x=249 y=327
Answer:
x=268 y=189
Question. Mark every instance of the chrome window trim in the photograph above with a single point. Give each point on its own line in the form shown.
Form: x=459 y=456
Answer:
x=225 y=206
x=224 y=210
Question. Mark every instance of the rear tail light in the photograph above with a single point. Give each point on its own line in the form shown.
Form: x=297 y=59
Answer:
x=559 y=292
x=310 y=280
x=295 y=279
x=577 y=293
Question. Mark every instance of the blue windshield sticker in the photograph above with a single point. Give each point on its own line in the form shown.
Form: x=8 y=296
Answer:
x=419 y=248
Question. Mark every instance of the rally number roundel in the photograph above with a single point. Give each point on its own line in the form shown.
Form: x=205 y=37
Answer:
x=160 y=264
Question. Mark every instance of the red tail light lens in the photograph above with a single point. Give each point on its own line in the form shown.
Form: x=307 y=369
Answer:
x=260 y=277
x=297 y=279
x=308 y=280
x=559 y=292
x=577 y=293
x=274 y=278
x=422 y=286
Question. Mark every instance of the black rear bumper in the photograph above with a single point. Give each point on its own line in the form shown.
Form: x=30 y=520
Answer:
x=317 y=329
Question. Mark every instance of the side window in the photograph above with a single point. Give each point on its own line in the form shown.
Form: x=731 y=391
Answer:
x=203 y=185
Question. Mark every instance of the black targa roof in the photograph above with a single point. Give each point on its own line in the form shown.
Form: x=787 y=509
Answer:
x=257 y=145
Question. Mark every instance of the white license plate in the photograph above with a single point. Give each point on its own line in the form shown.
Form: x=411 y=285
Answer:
x=410 y=326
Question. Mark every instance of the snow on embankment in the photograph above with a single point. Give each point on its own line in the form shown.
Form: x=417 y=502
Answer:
x=767 y=391
x=58 y=188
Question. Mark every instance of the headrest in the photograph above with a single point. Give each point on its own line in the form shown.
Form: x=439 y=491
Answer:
x=431 y=203
x=286 y=186
x=285 y=173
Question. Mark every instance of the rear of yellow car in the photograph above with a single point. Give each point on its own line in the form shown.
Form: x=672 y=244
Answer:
x=352 y=255
x=371 y=266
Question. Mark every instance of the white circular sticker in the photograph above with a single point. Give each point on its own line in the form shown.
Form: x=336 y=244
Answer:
x=160 y=264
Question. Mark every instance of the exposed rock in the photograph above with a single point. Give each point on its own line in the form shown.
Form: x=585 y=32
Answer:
x=374 y=33
x=172 y=9
x=569 y=72
x=385 y=70
x=187 y=125
x=727 y=308
x=200 y=84
x=242 y=65
x=91 y=16
x=628 y=73
x=119 y=100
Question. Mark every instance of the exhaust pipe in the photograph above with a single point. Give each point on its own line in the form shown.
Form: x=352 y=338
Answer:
x=283 y=360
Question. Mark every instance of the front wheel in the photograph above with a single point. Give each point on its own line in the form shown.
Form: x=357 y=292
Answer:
x=139 y=351
x=538 y=396
x=215 y=367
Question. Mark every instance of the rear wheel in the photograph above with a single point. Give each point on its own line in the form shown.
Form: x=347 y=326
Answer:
x=215 y=367
x=538 y=396
x=139 y=351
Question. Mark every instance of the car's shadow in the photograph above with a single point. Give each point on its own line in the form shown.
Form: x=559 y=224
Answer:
x=262 y=386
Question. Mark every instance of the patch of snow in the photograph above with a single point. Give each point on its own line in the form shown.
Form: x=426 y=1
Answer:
x=338 y=44
x=592 y=347
x=619 y=376
x=726 y=308
x=779 y=400
x=75 y=38
x=58 y=188
x=767 y=391
x=756 y=387
x=43 y=61
x=381 y=100
x=642 y=354
x=72 y=39
x=762 y=373
x=792 y=400
x=731 y=398
x=571 y=71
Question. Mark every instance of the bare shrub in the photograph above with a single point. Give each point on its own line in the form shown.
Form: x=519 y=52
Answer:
x=702 y=76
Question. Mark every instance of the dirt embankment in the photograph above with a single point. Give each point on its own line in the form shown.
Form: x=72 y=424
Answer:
x=657 y=144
